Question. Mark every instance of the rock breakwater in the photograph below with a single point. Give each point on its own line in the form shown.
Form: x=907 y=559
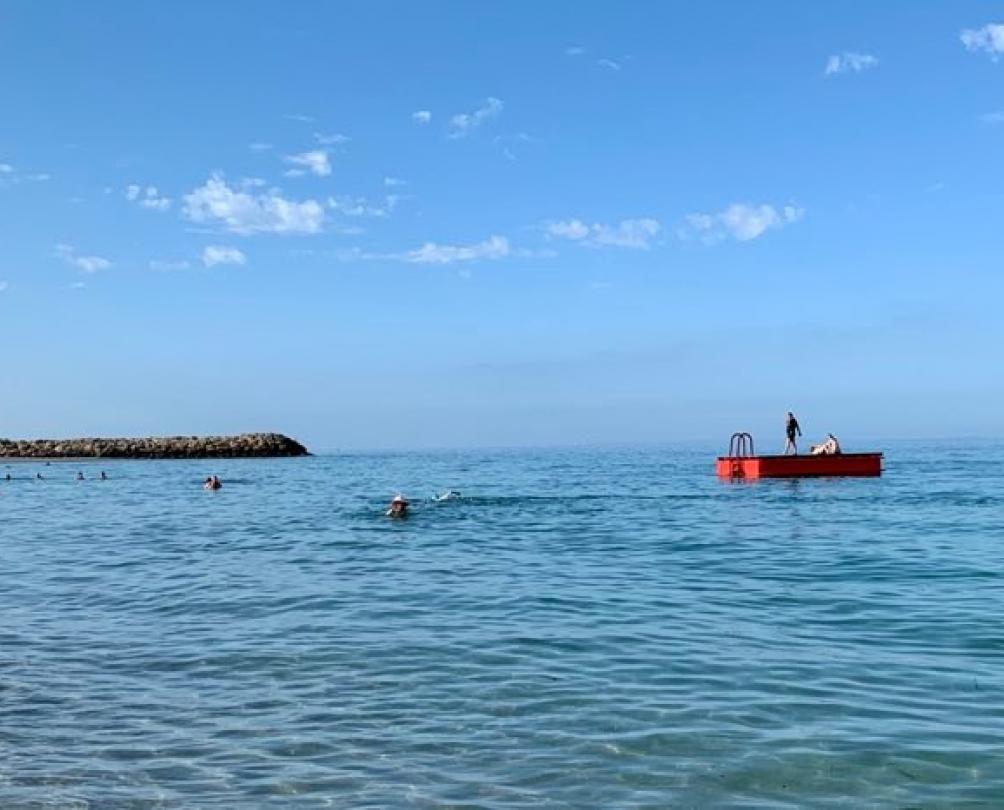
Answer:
x=246 y=445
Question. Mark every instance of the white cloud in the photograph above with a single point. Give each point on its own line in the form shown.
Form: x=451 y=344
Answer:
x=4 y=286
x=993 y=117
x=610 y=64
x=568 y=229
x=334 y=139
x=304 y=119
x=217 y=254
x=394 y=182
x=462 y=124
x=989 y=38
x=495 y=247
x=168 y=265
x=492 y=248
x=741 y=221
x=86 y=264
x=421 y=116
x=148 y=197
x=259 y=146
x=244 y=212
x=359 y=207
x=314 y=161
x=9 y=174
x=628 y=233
x=850 y=62
x=574 y=50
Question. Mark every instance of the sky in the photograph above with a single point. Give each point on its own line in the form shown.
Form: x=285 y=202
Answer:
x=397 y=225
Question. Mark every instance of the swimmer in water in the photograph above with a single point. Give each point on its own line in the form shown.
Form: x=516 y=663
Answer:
x=103 y=476
x=398 y=507
x=80 y=476
x=39 y=476
x=212 y=483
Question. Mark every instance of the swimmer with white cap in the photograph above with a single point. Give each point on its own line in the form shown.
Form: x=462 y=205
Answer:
x=398 y=507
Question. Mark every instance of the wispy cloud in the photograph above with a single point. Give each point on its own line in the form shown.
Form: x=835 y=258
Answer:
x=86 y=264
x=4 y=286
x=740 y=221
x=463 y=124
x=213 y=255
x=575 y=50
x=637 y=234
x=241 y=211
x=989 y=38
x=360 y=207
x=421 y=117
x=303 y=119
x=492 y=248
x=332 y=139
x=259 y=146
x=495 y=247
x=168 y=265
x=8 y=174
x=394 y=182
x=610 y=64
x=315 y=161
x=849 y=62
x=147 y=198
x=996 y=117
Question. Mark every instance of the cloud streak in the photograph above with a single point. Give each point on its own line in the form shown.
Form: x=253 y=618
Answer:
x=434 y=253
x=634 y=234
x=148 y=198
x=85 y=264
x=315 y=161
x=849 y=62
x=463 y=124
x=213 y=255
x=740 y=221
x=241 y=211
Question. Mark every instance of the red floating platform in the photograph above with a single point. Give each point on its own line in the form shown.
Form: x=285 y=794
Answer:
x=842 y=464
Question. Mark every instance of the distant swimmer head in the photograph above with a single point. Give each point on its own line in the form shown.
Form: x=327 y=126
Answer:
x=80 y=476
x=398 y=507
x=212 y=482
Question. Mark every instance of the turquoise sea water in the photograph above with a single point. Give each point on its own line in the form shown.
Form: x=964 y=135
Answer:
x=580 y=629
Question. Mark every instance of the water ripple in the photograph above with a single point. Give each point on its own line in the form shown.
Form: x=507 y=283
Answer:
x=577 y=629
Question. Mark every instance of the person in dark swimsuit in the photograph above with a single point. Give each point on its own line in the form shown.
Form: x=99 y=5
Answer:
x=791 y=430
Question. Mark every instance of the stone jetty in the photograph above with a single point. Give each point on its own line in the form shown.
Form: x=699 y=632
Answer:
x=247 y=445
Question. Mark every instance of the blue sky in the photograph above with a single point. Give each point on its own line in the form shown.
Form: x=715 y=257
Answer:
x=397 y=225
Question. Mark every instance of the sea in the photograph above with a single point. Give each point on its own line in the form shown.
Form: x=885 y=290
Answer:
x=578 y=628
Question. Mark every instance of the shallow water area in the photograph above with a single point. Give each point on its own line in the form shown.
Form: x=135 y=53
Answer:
x=579 y=628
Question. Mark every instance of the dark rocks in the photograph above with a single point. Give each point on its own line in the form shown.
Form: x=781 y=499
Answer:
x=247 y=445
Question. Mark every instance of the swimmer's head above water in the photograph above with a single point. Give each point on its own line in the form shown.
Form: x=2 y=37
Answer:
x=398 y=507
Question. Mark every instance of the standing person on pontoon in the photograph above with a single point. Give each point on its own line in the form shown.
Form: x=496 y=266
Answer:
x=791 y=430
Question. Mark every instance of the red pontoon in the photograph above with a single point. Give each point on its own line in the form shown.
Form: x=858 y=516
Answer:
x=742 y=462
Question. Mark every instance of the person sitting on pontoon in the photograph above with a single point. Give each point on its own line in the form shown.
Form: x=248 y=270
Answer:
x=831 y=447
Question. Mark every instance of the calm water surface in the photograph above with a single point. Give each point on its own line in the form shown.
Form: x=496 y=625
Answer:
x=582 y=629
